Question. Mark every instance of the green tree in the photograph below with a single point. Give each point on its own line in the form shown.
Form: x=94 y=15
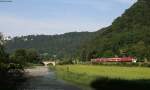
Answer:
x=4 y=59
x=32 y=56
x=19 y=57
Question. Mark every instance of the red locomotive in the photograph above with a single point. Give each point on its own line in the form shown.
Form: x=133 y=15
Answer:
x=123 y=59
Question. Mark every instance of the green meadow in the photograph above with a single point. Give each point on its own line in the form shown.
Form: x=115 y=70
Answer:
x=86 y=74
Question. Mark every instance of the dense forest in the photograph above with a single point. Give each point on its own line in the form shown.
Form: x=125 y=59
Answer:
x=61 y=46
x=127 y=36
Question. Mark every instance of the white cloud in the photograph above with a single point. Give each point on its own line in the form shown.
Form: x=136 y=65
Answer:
x=127 y=1
x=20 y=26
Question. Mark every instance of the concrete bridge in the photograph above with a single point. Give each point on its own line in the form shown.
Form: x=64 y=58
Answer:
x=49 y=62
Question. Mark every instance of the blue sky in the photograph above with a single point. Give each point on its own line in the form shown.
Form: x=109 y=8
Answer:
x=24 y=17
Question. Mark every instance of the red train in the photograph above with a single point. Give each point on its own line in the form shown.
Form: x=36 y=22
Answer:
x=123 y=59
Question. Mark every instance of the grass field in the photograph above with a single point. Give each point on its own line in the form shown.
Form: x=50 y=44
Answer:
x=87 y=74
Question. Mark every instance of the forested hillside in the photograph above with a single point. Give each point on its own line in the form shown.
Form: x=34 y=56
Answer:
x=65 y=45
x=127 y=36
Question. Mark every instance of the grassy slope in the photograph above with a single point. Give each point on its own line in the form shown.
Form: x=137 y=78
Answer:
x=86 y=74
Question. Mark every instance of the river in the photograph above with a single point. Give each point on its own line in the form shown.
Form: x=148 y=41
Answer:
x=41 y=78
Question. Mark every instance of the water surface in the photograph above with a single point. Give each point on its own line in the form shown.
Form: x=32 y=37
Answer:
x=41 y=78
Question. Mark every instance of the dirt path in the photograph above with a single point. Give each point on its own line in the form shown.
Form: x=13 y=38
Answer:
x=43 y=79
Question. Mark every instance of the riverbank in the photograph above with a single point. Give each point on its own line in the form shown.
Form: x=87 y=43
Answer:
x=98 y=76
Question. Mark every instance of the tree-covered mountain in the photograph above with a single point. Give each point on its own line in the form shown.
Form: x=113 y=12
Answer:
x=64 y=45
x=129 y=35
